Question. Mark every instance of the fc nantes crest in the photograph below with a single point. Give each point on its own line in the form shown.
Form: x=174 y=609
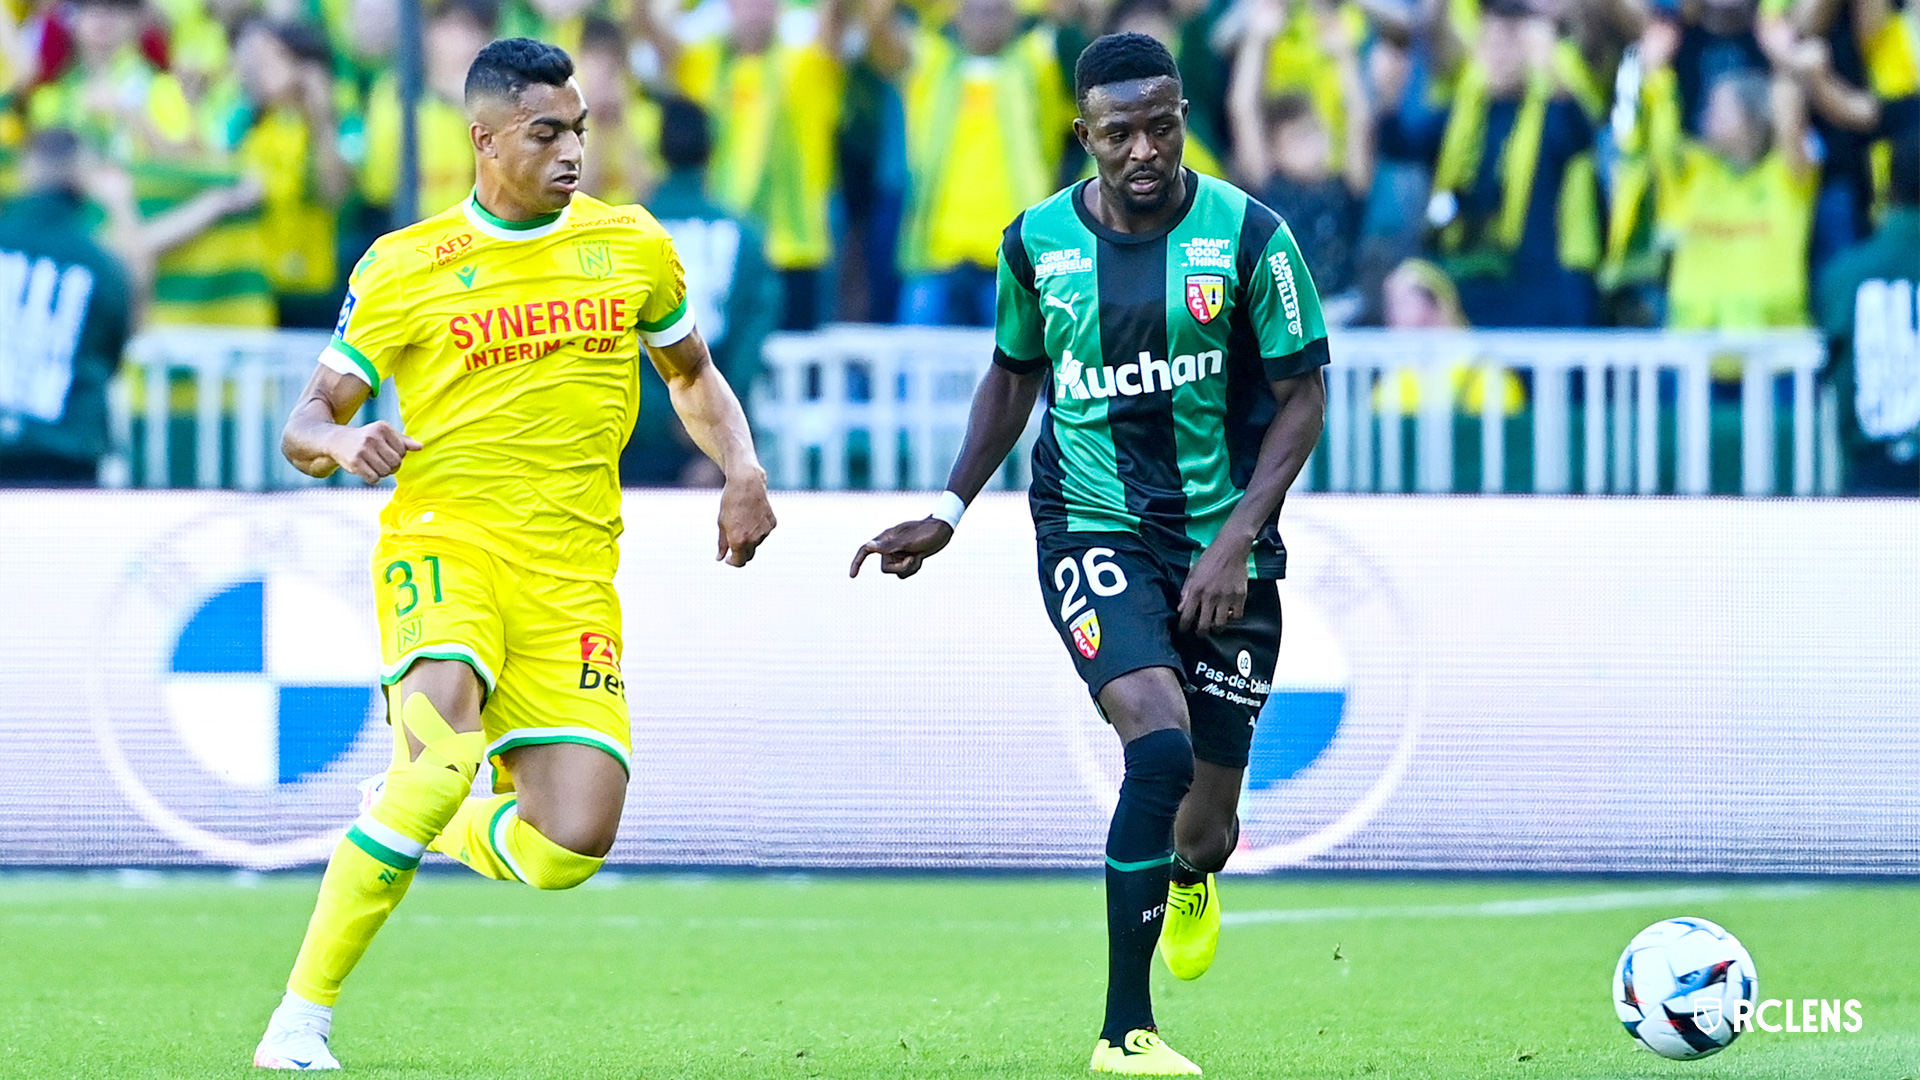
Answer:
x=1206 y=294
x=596 y=257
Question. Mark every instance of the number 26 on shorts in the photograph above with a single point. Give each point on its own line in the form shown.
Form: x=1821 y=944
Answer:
x=1103 y=577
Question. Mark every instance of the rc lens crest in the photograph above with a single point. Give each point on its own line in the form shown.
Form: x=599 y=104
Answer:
x=1206 y=295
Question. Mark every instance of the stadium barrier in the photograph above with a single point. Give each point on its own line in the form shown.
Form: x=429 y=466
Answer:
x=1599 y=403
x=203 y=407
x=1466 y=684
x=886 y=407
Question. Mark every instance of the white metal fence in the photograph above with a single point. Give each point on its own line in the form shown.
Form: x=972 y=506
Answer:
x=886 y=407
x=907 y=390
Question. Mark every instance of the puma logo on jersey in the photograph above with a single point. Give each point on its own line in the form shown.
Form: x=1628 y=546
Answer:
x=1050 y=300
x=1146 y=376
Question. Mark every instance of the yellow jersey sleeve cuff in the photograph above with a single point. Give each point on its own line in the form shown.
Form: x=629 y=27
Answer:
x=677 y=325
x=347 y=360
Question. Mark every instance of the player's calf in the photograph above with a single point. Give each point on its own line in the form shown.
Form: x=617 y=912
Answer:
x=553 y=832
x=1208 y=827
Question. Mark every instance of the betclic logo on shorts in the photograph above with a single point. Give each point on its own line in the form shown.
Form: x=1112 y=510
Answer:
x=600 y=663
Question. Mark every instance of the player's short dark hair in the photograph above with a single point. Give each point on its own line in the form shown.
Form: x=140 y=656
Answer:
x=1506 y=9
x=482 y=13
x=686 y=139
x=1904 y=185
x=510 y=65
x=1119 y=58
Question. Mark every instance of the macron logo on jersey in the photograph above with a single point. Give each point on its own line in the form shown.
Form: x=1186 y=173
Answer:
x=1146 y=376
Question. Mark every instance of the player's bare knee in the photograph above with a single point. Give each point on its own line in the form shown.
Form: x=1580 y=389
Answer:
x=591 y=841
x=1143 y=701
x=577 y=833
x=1208 y=851
x=450 y=685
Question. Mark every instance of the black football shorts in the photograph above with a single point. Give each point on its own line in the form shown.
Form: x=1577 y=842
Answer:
x=1116 y=605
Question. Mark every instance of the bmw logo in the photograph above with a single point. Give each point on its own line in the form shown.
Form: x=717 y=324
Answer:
x=236 y=698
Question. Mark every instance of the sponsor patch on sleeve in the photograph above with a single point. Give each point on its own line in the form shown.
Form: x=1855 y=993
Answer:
x=346 y=314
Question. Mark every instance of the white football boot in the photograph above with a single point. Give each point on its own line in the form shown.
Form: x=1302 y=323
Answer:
x=296 y=1037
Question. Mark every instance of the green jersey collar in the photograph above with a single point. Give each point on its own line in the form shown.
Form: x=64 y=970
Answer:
x=502 y=229
x=1112 y=236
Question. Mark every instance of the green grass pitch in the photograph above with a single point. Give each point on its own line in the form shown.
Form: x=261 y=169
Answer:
x=132 y=976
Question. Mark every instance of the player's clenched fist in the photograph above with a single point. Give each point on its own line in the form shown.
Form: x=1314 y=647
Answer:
x=746 y=518
x=904 y=547
x=371 y=452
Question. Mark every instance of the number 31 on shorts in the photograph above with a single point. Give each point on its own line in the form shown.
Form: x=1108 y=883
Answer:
x=406 y=590
x=1103 y=577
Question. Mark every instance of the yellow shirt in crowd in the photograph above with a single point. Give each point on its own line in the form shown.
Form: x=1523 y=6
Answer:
x=984 y=137
x=1739 y=241
x=775 y=117
x=446 y=150
x=296 y=227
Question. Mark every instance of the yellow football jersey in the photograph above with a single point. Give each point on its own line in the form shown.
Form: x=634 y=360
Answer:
x=515 y=350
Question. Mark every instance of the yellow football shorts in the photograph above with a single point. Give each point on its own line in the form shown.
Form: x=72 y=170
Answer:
x=546 y=648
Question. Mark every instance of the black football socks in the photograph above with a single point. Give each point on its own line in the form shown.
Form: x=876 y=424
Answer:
x=1139 y=855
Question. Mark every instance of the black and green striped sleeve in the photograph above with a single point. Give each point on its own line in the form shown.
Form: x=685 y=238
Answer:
x=1282 y=300
x=1019 y=331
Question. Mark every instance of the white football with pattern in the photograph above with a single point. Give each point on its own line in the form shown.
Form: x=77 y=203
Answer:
x=1679 y=986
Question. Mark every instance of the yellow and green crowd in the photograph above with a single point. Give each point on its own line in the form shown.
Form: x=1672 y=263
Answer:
x=1517 y=163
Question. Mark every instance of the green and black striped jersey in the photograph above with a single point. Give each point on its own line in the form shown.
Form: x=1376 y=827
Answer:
x=1160 y=347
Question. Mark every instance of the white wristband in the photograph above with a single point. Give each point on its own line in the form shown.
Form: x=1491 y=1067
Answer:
x=948 y=508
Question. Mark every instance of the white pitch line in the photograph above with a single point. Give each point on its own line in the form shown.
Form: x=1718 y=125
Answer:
x=1550 y=905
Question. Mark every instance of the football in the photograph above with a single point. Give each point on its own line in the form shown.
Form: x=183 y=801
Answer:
x=1684 y=987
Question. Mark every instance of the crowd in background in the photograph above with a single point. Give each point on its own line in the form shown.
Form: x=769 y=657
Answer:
x=1493 y=163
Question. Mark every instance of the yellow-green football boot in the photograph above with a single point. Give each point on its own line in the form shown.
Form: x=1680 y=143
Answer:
x=1192 y=929
x=1141 y=1053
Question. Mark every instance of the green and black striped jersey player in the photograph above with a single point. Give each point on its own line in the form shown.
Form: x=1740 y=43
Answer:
x=1170 y=321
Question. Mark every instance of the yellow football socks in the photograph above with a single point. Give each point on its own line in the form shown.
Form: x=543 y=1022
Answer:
x=488 y=835
x=374 y=863
x=356 y=896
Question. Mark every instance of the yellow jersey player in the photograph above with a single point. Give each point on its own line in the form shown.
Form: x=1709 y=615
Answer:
x=508 y=325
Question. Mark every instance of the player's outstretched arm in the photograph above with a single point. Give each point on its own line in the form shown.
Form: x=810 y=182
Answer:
x=317 y=439
x=713 y=417
x=1216 y=590
x=1001 y=406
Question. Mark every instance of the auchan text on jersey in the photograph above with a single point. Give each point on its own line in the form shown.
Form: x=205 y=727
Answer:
x=1150 y=375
